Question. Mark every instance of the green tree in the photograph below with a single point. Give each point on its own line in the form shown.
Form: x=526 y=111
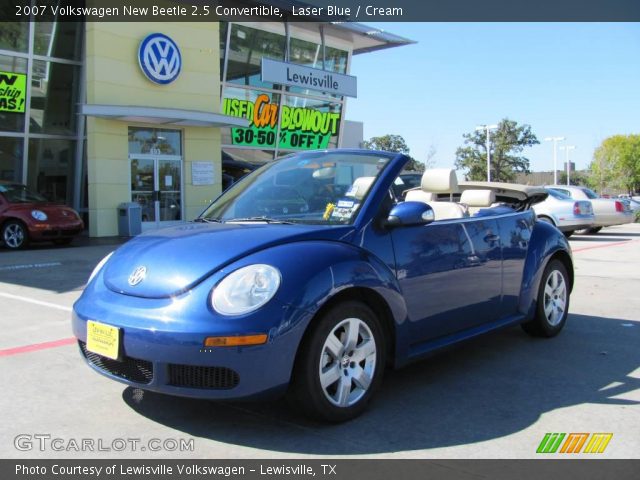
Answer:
x=616 y=164
x=577 y=178
x=507 y=143
x=394 y=143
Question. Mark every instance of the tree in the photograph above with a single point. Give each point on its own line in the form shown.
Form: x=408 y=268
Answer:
x=394 y=143
x=616 y=164
x=576 y=178
x=507 y=142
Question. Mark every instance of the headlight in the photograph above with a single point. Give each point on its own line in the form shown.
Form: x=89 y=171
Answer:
x=39 y=215
x=245 y=290
x=99 y=267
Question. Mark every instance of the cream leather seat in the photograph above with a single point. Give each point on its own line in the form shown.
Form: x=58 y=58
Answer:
x=360 y=187
x=434 y=181
x=477 y=199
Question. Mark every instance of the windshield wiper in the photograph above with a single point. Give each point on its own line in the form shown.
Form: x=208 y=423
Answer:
x=260 y=219
x=207 y=220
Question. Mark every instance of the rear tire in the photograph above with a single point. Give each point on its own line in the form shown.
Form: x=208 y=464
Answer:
x=15 y=235
x=553 y=302
x=340 y=363
x=590 y=231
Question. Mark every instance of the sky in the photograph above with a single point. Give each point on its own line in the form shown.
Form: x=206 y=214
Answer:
x=577 y=80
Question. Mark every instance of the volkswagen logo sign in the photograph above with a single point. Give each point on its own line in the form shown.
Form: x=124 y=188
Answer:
x=159 y=58
x=137 y=275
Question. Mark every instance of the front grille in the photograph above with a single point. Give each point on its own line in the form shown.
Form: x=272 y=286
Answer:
x=133 y=369
x=218 y=378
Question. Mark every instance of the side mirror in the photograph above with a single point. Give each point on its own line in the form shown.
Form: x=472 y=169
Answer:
x=410 y=213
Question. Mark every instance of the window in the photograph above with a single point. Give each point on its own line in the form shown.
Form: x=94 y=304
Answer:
x=11 y=159
x=51 y=168
x=14 y=36
x=53 y=98
x=61 y=39
x=247 y=48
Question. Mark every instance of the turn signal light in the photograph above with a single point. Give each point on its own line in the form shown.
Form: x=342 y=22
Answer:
x=619 y=207
x=236 y=341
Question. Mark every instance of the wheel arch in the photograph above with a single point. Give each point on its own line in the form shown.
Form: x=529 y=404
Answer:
x=547 y=243
x=371 y=299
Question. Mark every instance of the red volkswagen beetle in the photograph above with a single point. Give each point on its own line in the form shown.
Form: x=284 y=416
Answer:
x=27 y=217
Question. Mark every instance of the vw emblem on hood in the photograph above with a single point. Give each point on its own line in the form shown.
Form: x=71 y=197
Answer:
x=137 y=275
x=159 y=58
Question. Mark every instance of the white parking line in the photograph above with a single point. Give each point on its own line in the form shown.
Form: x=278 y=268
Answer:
x=30 y=265
x=35 y=302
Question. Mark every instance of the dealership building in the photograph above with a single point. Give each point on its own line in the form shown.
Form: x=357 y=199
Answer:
x=99 y=113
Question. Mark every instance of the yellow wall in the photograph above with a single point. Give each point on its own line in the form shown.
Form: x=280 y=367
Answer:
x=114 y=78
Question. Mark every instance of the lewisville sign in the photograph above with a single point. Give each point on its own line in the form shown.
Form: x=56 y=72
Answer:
x=301 y=128
x=306 y=77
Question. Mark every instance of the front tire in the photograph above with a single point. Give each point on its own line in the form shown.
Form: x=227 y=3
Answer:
x=15 y=235
x=553 y=302
x=340 y=364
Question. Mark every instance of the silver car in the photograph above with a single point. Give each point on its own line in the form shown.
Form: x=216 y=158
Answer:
x=566 y=214
x=608 y=211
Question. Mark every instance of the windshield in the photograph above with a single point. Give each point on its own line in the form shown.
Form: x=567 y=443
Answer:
x=19 y=194
x=311 y=187
x=589 y=193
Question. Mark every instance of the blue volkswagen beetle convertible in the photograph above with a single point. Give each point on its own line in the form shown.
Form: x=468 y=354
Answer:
x=311 y=276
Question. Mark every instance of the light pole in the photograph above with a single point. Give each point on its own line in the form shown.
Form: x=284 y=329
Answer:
x=488 y=128
x=555 y=141
x=567 y=148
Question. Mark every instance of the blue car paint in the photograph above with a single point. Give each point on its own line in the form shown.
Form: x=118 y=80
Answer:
x=167 y=322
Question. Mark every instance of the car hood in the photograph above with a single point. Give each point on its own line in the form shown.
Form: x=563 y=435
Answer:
x=178 y=258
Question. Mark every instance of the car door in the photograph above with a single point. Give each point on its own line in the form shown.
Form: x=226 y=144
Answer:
x=450 y=273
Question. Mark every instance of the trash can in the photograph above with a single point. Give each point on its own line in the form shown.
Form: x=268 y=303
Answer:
x=129 y=219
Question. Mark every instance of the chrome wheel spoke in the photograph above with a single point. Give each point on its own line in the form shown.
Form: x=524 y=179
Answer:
x=330 y=376
x=361 y=378
x=363 y=351
x=548 y=290
x=333 y=346
x=343 y=392
x=548 y=310
x=351 y=334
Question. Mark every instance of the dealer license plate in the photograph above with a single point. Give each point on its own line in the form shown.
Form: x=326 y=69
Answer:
x=103 y=339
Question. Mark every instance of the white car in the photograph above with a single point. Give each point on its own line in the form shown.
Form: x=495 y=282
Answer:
x=566 y=214
x=608 y=211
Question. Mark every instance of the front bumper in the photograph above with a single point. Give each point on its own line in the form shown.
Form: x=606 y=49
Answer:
x=52 y=231
x=163 y=351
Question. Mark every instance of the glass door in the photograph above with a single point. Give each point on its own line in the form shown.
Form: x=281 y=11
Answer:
x=156 y=175
x=169 y=179
x=143 y=186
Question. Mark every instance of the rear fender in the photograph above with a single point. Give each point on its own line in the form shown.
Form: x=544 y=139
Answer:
x=546 y=242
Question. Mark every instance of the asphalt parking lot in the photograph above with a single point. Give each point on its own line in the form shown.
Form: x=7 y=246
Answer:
x=494 y=397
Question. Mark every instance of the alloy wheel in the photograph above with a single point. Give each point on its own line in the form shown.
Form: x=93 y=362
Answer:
x=347 y=362
x=555 y=298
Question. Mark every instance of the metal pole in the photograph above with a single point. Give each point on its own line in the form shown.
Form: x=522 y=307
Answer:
x=488 y=156
x=555 y=161
x=568 y=167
